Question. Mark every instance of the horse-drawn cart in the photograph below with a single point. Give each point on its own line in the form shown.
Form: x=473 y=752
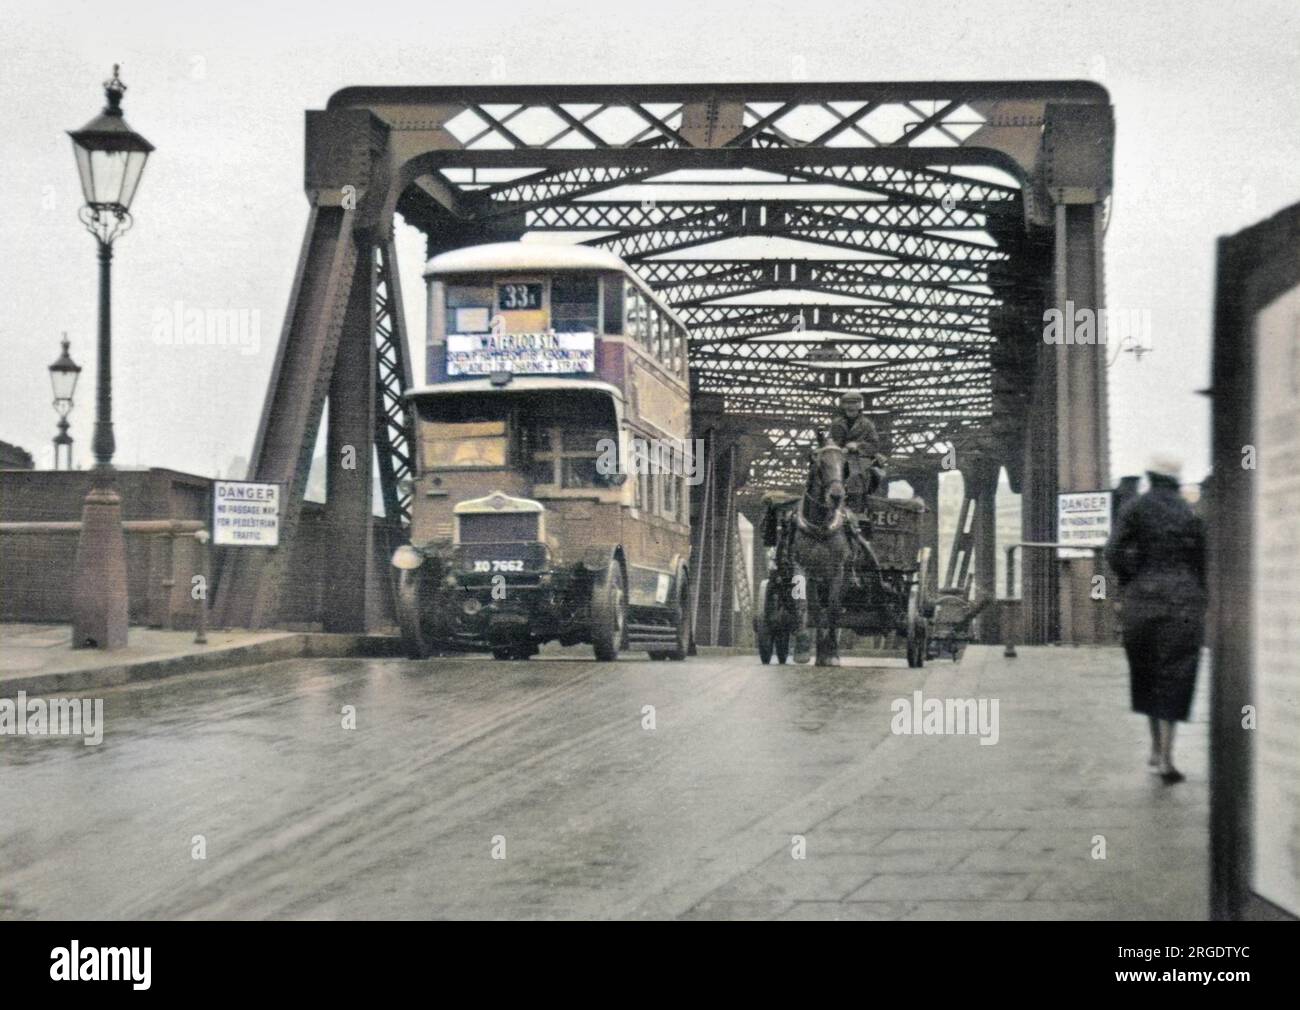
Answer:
x=884 y=587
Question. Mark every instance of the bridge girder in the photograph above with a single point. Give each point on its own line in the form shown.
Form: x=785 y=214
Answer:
x=935 y=208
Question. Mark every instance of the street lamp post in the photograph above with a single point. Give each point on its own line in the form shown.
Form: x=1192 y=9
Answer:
x=110 y=160
x=63 y=378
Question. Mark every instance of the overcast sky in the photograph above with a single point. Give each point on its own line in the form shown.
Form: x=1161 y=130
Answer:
x=1205 y=97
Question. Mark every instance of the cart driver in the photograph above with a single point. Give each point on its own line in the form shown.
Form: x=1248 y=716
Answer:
x=853 y=431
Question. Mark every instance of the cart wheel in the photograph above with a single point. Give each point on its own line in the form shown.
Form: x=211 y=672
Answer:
x=762 y=631
x=923 y=579
x=781 y=642
x=917 y=628
x=803 y=643
x=917 y=644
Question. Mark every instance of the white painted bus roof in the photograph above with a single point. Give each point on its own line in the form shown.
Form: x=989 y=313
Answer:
x=506 y=256
x=498 y=256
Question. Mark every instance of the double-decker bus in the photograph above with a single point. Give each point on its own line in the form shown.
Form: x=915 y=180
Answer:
x=553 y=460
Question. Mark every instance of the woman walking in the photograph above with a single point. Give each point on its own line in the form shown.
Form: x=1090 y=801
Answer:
x=1158 y=553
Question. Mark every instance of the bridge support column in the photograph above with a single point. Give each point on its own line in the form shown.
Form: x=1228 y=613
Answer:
x=262 y=587
x=926 y=487
x=713 y=545
x=985 y=537
x=1082 y=431
x=758 y=569
x=353 y=600
x=1039 y=594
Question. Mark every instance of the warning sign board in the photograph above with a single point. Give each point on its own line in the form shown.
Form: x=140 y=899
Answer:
x=245 y=514
x=1082 y=522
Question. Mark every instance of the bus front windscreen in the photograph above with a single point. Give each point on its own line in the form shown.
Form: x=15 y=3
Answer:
x=449 y=445
x=558 y=438
x=464 y=431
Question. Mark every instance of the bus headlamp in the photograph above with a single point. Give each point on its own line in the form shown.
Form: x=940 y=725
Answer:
x=407 y=558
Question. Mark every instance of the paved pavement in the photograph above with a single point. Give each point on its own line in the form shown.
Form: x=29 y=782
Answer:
x=549 y=764
x=38 y=657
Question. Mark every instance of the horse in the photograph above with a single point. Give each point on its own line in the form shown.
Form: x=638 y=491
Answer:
x=822 y=547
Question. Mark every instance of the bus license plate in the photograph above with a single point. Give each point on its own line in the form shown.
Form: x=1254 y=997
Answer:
x=497 y=566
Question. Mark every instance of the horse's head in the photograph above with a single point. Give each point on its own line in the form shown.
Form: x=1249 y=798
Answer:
x=826 y=481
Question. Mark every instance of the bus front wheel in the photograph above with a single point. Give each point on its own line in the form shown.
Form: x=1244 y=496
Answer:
x=608 y=614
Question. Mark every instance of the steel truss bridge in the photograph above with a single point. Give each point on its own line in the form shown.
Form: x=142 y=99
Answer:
x=900 y=238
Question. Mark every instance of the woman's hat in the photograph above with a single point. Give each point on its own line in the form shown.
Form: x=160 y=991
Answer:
x=1166 y=466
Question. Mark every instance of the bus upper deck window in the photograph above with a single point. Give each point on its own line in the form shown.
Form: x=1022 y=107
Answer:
x=575 y=303
x=469 y=307
x=655 y=335
x=613 y=286
x=632 y=308
x=645 y=319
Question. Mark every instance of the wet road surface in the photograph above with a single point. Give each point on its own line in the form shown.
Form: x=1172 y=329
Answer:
x=549 y=764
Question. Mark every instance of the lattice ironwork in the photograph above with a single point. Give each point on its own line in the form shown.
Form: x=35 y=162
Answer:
x=903 y=237
x=878 y=226
x=893 y=273
x=629 y=120
x=393 y=436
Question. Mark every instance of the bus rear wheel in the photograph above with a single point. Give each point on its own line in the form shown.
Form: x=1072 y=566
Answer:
x=608 y=614
x=683 y=619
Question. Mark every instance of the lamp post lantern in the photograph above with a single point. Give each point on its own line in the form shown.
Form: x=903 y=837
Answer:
x=63 y=379
x=110 y=161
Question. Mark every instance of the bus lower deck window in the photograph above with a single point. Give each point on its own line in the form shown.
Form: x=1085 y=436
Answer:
x=567 y=456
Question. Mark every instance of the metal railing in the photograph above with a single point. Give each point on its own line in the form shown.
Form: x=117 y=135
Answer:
x=144 y=527
x=1011 y=627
